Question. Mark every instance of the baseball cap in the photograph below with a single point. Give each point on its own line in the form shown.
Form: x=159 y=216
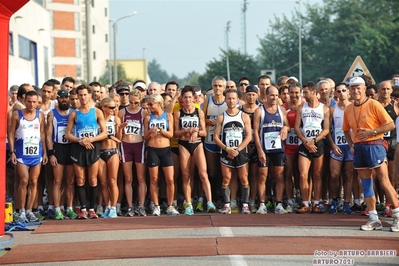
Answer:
x=122 y=88
x=251 y=88
x=62 y=93
x=140 y=86
x=293 y=78
x=356 y=81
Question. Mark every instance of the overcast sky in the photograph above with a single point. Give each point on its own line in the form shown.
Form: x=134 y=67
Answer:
x=183 y=35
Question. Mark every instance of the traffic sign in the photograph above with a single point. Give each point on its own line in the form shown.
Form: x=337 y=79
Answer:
x=358 y=68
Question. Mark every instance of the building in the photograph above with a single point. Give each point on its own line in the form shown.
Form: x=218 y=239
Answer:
x=58 y=38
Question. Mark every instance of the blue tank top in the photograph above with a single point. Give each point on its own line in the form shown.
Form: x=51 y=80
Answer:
x=60 y=123
x=159 y=122
x=86 y=124
x=271 y=125
x=28 y=143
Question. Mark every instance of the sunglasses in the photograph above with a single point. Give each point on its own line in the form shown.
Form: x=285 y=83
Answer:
x=123 y=93
x=343 y=90
x=134 y=102
x=111 y=107
x=151 y=104
x=229 y=87
x=244 y=84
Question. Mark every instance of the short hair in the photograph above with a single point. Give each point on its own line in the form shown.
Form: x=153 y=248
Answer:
x=310 y=85
x=14 y=88
x=165 y=94
x=280 y=80
x=231 y=91
x=395 y=92
x=158 y=99
x=264 y=77
x=340 y=84
x=48 y=83
x=367 y=80
x=22 y=90
x=105 y=101
x=295 y=84
x=145 y=99
x=55 y=81
x=282 y=88
x=244 y=78
x=83 y=87
x=171 y=83
x=322 y=82
x=69 y=79
x=31 y=93
x=219 y=78
x=320 y=79
x=135 y=92
x=73 y=92
x=186 y=89
x=95 y=83
x=271 y=86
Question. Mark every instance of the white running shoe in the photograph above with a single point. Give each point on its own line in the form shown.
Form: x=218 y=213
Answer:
x=171 y=211
x=372 y=225
x=279 y=209
x=156 y=211
x=262 y=210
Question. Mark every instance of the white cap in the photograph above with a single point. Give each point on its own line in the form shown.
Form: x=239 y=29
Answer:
x=356 y=81
x=140 y=85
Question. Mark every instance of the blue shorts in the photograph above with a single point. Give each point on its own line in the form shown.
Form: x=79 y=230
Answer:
x=212 y=148
x=369 y=156
x=35 y=160
x=346 y=155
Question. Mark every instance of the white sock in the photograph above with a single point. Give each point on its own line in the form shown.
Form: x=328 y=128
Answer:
x=57 y=209
x=373 y=215
x=51 y=207
x=200 y=199
x=357 y=201
x=306 y=203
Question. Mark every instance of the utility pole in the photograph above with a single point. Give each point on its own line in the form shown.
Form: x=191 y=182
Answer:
x=88 y=42
x=227 y=49
x=244 y=29
x=300 y=41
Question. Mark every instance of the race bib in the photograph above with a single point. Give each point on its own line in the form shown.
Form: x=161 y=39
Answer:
x=292 y=138
x=189 y=121
x=233 y=138
x=31 y=147
x=272 y=140
x=61 y=135
x=132 y=128
x=87 y=133
x=110 y=128
x=340 y=137
x=209 y=135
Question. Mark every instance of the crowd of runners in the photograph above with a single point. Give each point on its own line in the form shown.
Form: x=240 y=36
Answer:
x=130 y=149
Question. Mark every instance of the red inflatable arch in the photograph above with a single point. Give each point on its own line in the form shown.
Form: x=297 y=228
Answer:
x=7 y=9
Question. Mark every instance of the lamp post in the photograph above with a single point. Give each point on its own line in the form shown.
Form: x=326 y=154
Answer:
x=227 y=49
x=109 y=59
x=115 y=29
x=300 y=41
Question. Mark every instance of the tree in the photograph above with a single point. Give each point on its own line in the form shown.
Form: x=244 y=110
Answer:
x=240 y=65
x=332 y=36
x=156 y=73
x=104 y=79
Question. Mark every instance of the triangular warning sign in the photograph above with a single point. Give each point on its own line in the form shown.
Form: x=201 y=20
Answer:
x=358 y=68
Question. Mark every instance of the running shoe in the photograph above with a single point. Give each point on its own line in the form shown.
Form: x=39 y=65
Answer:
x=234 y=207
x=316 y=208
x=189 y=210
x=380 y=207
x=164 y=206
x=156 y=211
x=141 y=211
x=356 y=208
x=50 y=214
x=372 y=225
x=279 y=209
x=76 y=210
x=365 y=212
x=303 y=209
x=200 y=207
x=82 y=214
x=106 y=213
x=119 y=211
x=99 y=210
x=31 y=217
x=269 y=205
x=395 y=225
x=129 y=212
x=333 y=207
x=171 y=211
x=387 y=212
x=322 y=207
x=39 y=216
x=245 y=209
x=22 y=218
x=59 y=215
x=340 y=206
x=252 y=206
x=262 y=210
x=112 y=213
x=152 y=206
x=289 y=209
x=92 y=214
x=347 y=209
x=226 y=210
x=210 y=207
x=71 y=214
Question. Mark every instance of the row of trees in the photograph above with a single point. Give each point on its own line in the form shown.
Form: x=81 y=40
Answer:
x=333 y=34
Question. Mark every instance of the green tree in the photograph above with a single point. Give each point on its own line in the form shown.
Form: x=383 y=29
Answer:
x=240 y=65
x=104 y=79
x=333 y=34
x=156 y=73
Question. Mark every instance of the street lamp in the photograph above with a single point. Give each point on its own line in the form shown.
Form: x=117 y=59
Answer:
x=115 y=29
x=300 y=41
x=227 y=49
x=109 y=59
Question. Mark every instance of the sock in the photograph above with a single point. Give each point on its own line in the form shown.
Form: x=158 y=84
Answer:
x=62 y=207
x=262 y=204
x=315 y=202
x=245 y=193
x=28 y=211
x=51 y=207
x=175 y=202
x=291 y=202
x=118 y=205
x=113 y=208
x=22 y=210
x=395 y=212
x=357 y=201
x=306 y=203
x=373 y=215
x=200 y=199
x=227 y=204
x=93 y=196
x=57 y=209
x=245 y=204
x=69 y=208
x=279 y=204
x=81 y=192
x=40 y=207
x=226 y=193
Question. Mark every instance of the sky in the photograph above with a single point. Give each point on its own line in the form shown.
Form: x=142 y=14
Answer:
x=184 y=35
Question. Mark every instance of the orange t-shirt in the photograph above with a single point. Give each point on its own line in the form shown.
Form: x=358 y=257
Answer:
x=369 y=115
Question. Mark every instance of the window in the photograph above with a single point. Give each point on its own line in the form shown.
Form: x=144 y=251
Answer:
x=52 y=47
x=46 y=68
x=78 y=71
x=77 y=21
x=77 y=47
x=106 y=12
x=53 y=70
x=94 y=55
x=76 y=2
x=94 y=29
x=24 y=48
x=40 y=2
x=106 y=37
x=10 y=44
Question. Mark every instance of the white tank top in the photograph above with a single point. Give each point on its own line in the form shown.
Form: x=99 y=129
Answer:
x=212 y=112
x=312 y=120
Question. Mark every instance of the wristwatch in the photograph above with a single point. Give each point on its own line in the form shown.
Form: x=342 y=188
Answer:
x=374 y=132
